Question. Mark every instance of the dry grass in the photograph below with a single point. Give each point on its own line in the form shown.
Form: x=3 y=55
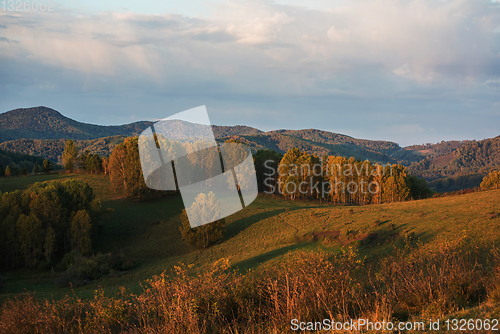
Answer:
x=307 y=286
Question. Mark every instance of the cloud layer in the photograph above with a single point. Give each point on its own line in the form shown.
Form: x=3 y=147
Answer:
x=366 y=67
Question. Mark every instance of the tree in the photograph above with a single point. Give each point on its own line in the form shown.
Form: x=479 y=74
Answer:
x=266 y=166
x=125 y=169
x=204 y=235
x=2 y=171
x=492 y=180
x=29 y=229
x=69 y=155
x=36 y=168
x=25 y=171
x=94 y=164
x=47 y=166
x=50 y=242
x=418 y=187
x=105 y=165
x=298 y=173
x=8 y=172
x=45 y=221
x=81 y=230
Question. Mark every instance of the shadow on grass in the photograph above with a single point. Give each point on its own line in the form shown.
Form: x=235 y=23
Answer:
x=261 y=258
x=149 y=227
x=240 y=225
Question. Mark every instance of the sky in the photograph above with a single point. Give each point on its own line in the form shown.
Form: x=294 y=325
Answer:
x=412 y=71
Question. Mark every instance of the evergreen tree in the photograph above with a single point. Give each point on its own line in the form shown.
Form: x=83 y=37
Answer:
x=29 y=229
x=266 y=166
x=36 y=168
x=47 y=166
x=81 y=229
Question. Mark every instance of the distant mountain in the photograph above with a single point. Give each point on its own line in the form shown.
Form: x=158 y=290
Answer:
x=441 y=152
x=463 y=168
x=47 y=123
x=319 y=143
x=42 y=131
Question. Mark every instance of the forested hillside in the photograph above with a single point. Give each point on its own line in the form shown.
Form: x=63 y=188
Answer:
x=320 y=143
x=41 y=130
x=18 y=163
x=46 y=123
x=53 y=148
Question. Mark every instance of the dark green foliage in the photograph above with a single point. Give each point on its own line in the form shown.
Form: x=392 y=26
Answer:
x=265 y=161
x=36 y=168
x=91 y=163
x=202 y=236
x=45 y=220
x=78 y=269
x=18 y=162
x=47 y=166
x=418 y=187
x=456 y=183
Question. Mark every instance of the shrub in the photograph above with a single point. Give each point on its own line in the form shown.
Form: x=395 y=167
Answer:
x=78 y=270
x=204 y=235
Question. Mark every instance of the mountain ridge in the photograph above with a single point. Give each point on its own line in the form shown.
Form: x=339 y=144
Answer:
x=44 y=124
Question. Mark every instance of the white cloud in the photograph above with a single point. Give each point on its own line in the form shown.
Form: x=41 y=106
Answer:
x=338 y=35
x=369 y=52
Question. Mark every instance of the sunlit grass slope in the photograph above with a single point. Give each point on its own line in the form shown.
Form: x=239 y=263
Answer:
x=262 y=233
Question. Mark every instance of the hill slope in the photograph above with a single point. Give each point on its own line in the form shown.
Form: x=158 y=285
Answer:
x=36 y=131
x=53 y=148
x=47 y=123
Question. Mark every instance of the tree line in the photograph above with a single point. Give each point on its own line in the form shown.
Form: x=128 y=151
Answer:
x=299 y=175
x=296 y=174
x=15 y=164
x=46 y=221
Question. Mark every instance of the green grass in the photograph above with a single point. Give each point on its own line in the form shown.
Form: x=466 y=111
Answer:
x=260 y=234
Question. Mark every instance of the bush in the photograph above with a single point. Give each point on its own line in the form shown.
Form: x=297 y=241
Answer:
x=78 y=270
x=204 y=235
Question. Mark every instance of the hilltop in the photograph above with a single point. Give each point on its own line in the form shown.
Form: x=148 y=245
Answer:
x=41 y=131
x=46 y=123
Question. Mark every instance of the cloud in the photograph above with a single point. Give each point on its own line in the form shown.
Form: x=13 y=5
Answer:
x=370 y=53
x=338 y=35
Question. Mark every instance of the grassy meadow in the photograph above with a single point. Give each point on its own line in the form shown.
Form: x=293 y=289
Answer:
x=266 y=233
